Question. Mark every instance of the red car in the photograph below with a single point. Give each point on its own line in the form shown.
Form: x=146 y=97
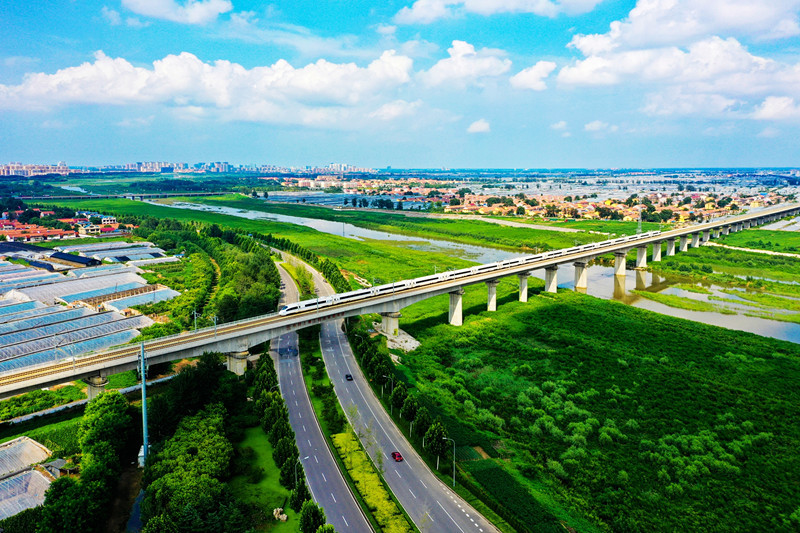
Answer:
x=397 y=457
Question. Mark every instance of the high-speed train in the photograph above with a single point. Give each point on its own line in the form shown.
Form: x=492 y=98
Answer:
x=452 y=275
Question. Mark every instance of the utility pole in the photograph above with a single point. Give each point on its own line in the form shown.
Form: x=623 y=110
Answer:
x=145 y=443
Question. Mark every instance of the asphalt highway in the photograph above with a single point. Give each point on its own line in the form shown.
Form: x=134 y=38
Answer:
x=325 y=481
x=431 y=504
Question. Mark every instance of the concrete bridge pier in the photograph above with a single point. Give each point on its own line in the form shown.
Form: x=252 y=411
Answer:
x=641 y=256
x=715 y=233
x=670 y=247
x=726 y=230
x=684 y=244
x=706 y=235
x=746 y=224
x=581 y=276
x=96 y=386
x=523 y=287
x=551 y=279
x=455 y=316
x=491 y=286
x=237 y=362
x=657 y=251
x=695 y=240
x=619 y=287
x=641 y=280
x=390 y=324
x=619 y=263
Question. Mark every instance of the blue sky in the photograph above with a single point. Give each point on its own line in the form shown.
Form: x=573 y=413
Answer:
x=425 y=83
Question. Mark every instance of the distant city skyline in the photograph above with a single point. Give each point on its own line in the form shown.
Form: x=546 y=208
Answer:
x=406 y=83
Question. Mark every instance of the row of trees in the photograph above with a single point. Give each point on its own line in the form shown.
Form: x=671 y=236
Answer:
x=274 y=418
x=377 y=366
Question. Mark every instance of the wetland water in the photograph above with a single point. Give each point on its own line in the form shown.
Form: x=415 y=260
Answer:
x=602 y=282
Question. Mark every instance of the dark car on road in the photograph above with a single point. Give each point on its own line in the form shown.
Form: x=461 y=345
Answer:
x=348 y=377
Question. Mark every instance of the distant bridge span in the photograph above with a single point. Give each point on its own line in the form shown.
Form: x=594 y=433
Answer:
x=235 y=338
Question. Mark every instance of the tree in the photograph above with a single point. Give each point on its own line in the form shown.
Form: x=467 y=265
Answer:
x=410 y=407
x=422 y=421
x=435 y=440
x=520 y=210
x=455 y=201
x=312 y=517
x=327 y=528
x=106 y=419
x=551 y=211
x=299 y=495
x=399 y=395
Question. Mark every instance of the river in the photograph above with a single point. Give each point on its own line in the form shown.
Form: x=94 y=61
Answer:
x=601 y=280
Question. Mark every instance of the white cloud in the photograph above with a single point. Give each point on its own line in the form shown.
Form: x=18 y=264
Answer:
x=666 y=44
x=246 y=26
x=423 y=12
x=597 y=126
x=653 y=23
x=317 y=93
x=111 y=16
x=559 y=126
x=396 y=109
x=769 y=133
x=19 y=61
x=190 y=12
x=777 y=108
x=427 y=11
x=533 y=77
x=386 y=29
x=479 y=126
x=465 y=66
x=673 y=101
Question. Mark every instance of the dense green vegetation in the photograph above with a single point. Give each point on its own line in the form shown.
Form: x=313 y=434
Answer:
x=193 y=425
x=686 y=426
x=763 y=239
x=105 y=434
x=39 y=400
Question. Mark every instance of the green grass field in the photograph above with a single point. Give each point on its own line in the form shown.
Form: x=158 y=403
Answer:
x=268 y=493
x=763 y=239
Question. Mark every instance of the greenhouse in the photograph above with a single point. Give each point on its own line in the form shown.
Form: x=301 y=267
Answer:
x=39 y=317
x=48 y=293
x=19 y=454
x=157 y=261
x=139 y=251
x=69 y=351
x=9 y=306
x=69 y=298
x=23 y=491
x=101 y=246
x=100 y=271
x=141 y=299
x=67 y=334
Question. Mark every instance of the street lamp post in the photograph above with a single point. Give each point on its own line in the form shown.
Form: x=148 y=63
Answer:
x=295 y=470
x=454 y=460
